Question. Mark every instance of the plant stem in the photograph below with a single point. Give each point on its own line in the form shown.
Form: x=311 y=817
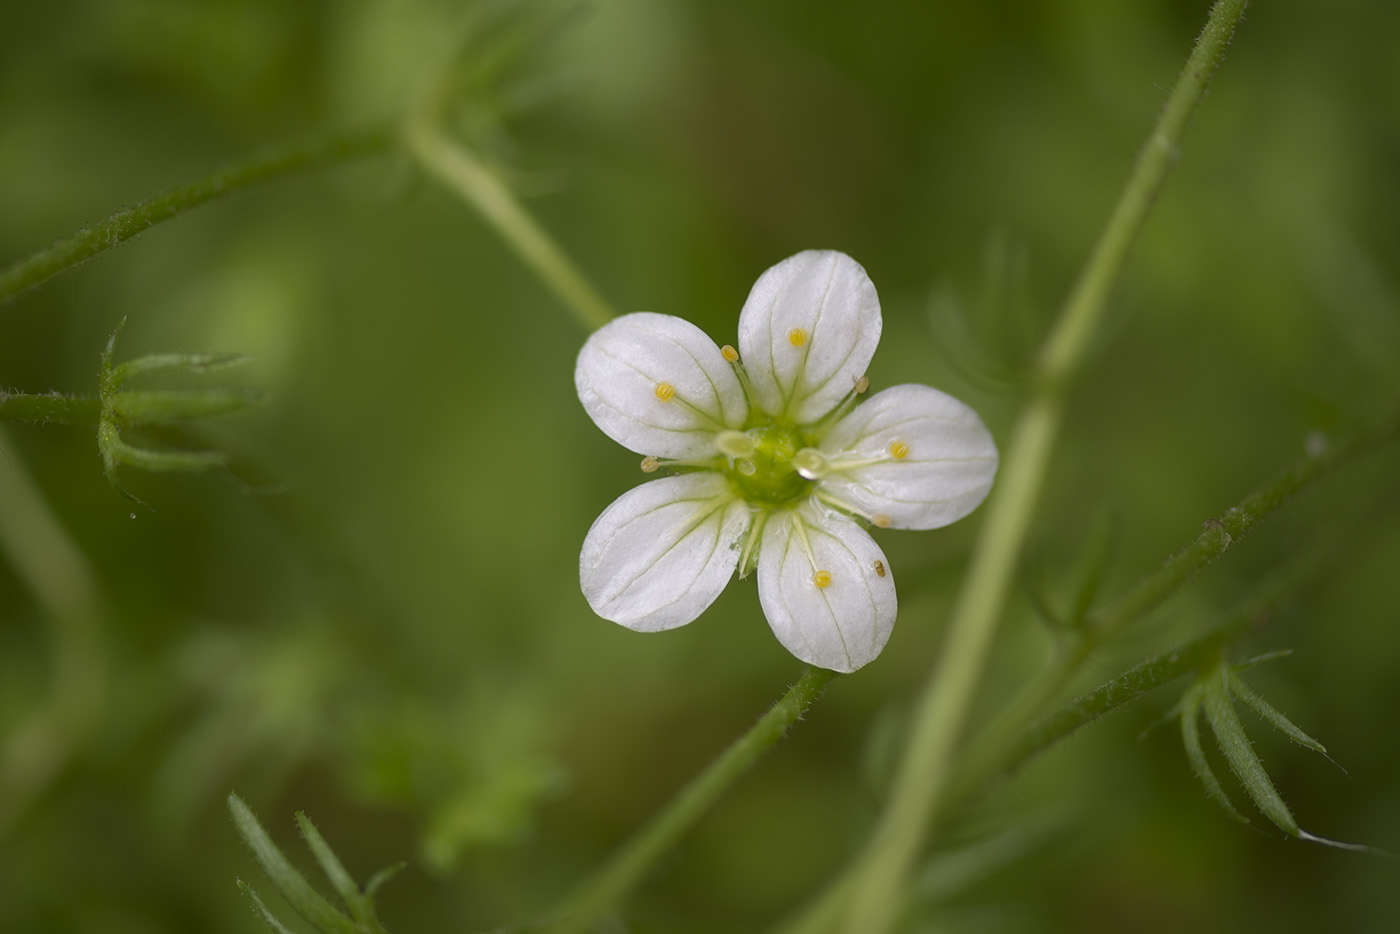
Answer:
x=612 y=883
x=878 y=877
x=458 y=169
x=79 y=247
x=49 y=408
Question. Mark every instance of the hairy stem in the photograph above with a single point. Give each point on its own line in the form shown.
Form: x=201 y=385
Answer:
x=49 y=408
x=611 y=884
x=460 y=170
x=79 y=247
x=874 y=885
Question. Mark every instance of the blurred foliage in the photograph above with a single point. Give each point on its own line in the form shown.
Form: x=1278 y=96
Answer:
x=374 y=615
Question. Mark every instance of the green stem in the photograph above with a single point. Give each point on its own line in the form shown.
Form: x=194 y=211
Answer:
x=1217 y=537
x=875 y=883
x=611 y=884
x=122 y=226
x=460 y=170
x=49 y=409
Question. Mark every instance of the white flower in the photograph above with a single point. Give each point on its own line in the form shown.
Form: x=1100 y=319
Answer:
x=775 y=465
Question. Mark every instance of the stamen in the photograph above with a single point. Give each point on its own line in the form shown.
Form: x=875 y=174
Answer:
x=650 y=464
x=810 y=463
x=879 y=568
x=898 y=450
x=822 y=578
x=748 y=557
x=859 y=385
x=877 y=519
x=664 y=391
x=735 y=443
x=729 y=353
x=797 y=337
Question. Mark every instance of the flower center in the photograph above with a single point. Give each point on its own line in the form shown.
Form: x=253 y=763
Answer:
x=766 y=474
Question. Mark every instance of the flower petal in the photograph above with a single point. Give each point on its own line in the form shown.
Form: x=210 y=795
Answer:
x=621 y=374
x=807 y=332
x=661 y=553
x=844 y=624
x=946 y=472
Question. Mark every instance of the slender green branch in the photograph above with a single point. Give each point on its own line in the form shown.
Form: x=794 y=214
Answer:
x=875 y=883
x=1212 y=543
x=49 y=408
x=460 y=170
x=79 y=247
x=611 y=884
x=1220 y=534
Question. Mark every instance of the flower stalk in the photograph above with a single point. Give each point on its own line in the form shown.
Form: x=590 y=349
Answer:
x=462 y=172
x=620 y=876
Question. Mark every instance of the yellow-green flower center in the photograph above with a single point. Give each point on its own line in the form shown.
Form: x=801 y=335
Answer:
x=766 y=475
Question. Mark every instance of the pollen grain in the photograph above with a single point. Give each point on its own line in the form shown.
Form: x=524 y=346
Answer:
x=797 y=337
x=898 y=450
x=665 y=391
x=822 y=578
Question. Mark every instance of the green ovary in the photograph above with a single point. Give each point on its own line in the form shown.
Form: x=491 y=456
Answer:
x=767 y=477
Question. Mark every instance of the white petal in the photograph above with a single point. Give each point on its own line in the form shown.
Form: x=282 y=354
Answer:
x=843 y=625
x=622 y=364
x=661 y=553
x=828 y=298
x=948 y=471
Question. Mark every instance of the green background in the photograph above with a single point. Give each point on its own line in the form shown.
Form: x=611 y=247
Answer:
x=375 y=615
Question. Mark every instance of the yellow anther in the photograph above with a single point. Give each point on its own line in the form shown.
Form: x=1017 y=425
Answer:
x=879 y=569
x=822 y=578
x=664 y=391
x=649 y=464
x=880 y=520
x=729 y=353
x=898 y=450
x=797 y=337
x=862 y=384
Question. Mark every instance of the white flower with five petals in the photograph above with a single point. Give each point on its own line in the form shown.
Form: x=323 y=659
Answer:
x=775 y=465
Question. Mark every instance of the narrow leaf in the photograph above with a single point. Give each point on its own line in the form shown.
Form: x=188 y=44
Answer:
x=1239 y=752
x=261 y=910
x=304 y=899
x=135 y=406
x=120 y=452
x=1191 y=739
x=334 y=869
x=383 y=876
x=1266 y=710
x=193 y=362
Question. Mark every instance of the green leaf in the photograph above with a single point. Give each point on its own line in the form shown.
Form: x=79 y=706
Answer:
x=261 y=910
x=136 y=406
x=191 y=362
x=1191 y=738
x=1239 y=752
x=1266 y=710
x=340 y=878
x=383 y=876
x=304 y=899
